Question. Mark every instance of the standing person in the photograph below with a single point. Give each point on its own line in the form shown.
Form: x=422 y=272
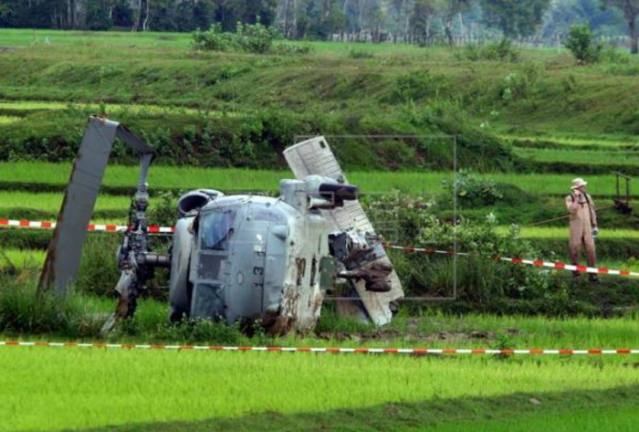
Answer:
x=583 y=226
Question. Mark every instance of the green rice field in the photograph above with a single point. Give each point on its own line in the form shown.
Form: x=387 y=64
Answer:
x=183 y=178
x=628 y=158
x=158 y=390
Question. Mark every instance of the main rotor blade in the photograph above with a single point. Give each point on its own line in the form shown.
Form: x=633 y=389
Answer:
x=65 y=250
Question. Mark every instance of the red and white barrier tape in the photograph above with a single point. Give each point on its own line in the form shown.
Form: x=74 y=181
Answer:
x=155 y=229
x=332 y=350
x=92 y=227
x=536 y=263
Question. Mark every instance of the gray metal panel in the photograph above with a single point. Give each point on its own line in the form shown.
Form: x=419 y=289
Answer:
x=315 y=157
x=65 y=250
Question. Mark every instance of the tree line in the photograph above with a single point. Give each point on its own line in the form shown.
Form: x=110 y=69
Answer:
x=411 y=21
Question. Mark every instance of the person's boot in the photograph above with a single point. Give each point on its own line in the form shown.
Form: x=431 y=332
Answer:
x=593 y=278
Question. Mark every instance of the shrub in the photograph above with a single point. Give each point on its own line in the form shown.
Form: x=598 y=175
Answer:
x=252 y=38
x=581 y=44
x=213 y=39
x=472 y=190
x=481 y=280
x=520 y=85
x=255 y=38
x=503 y=50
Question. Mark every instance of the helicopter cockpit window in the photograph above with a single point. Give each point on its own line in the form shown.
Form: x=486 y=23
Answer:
x=216 y=229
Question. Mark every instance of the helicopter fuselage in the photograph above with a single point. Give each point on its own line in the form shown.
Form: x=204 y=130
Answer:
x=248 y=258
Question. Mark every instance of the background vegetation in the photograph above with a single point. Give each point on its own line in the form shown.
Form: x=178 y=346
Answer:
x=399 y=21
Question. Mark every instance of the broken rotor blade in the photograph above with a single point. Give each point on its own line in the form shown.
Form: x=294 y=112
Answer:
x=65 y=249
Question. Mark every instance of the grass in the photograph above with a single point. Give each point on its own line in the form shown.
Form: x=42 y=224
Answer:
x=620 y=418
x=161 y=69
x=193 y=391
x=19 y=174
x=25 y=38
x=585 y=157
x=202 y=389
x=51 y=202
x=67 y=388
x=604 y=142
x=197 y=391
x=19 y=258
x=26 y=107
x=427 y=328
x=562 y=233
x=185 y=178
x=6 y=120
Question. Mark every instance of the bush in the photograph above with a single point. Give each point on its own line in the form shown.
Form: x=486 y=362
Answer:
x=581 y=44
x=472 y=190
x=503 y=50
x=213 y=39
x=520 y=85
x=252 y=38
x=481 y=280
x=255 y=38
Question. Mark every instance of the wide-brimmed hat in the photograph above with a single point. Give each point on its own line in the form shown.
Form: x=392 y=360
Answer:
x=578 y=182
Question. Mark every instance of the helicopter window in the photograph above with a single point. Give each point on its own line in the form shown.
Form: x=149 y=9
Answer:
x=216 y=229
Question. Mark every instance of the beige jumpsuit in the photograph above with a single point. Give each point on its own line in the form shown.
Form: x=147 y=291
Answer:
x=583 y=219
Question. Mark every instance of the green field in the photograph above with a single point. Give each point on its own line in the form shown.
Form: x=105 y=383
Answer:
x=582 y=157
x=89 y=389
x=47 y=175
x=152 y=390
x=221 y=121
x=186 y=178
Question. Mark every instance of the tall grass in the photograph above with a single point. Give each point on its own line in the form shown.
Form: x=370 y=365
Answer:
x=25 y=311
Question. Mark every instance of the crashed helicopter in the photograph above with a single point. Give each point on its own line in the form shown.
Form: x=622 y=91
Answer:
x=235 y=258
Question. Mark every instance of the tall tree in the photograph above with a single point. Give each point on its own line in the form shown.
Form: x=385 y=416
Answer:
x=563 y=14
x=203 y=14
x=99 y=15
x=514 y=17
x=421 y=19
x=630 y=9
x=450 y=10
